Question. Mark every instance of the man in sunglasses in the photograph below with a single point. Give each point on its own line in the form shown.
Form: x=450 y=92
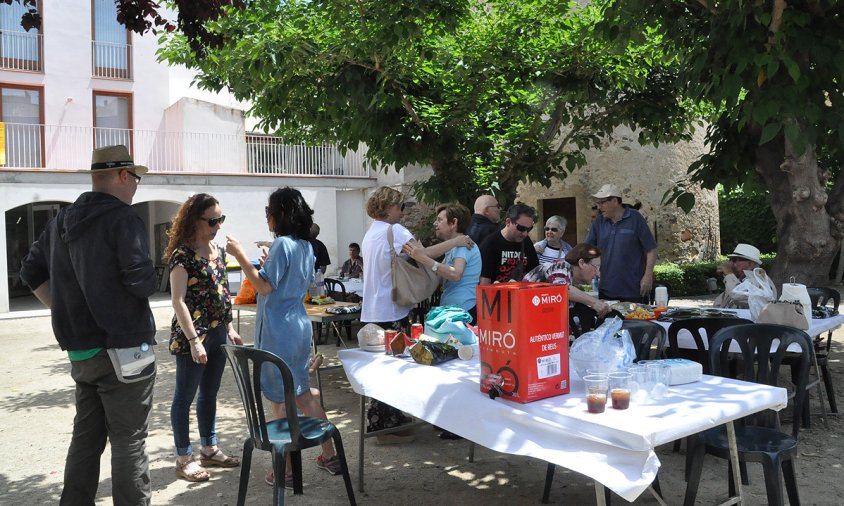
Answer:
x=91 y=266
x=484 y=222
x=509 y=254
x=628 y=248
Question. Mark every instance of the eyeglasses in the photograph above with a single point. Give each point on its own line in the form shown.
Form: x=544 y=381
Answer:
x=498 y=206
x=213 y=222
x=137 y=177
x=597 y=267
x=522 y=228
x=552 y=229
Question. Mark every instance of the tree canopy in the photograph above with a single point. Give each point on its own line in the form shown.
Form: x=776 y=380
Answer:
x=488 y=93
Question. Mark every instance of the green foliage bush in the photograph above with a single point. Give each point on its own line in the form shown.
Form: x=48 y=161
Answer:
x=690 y=279
x=746 y=216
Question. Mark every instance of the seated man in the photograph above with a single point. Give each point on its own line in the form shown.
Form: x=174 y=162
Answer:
x=353 y=267
x=743 y=258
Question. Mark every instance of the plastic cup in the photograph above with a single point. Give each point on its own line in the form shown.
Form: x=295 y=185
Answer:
x=659 y=375
x=640 y=387
x=596 y=392
x=619 y=383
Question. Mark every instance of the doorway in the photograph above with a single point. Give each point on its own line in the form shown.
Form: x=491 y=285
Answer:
x=23 y=226
x=565 y=207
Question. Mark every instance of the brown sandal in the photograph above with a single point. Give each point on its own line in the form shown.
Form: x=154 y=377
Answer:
x=222 y=460
x=191 y=471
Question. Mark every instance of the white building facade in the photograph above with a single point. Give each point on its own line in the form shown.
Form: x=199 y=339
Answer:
x=85 y=82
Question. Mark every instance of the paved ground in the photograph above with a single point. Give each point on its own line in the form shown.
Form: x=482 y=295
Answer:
x=36 y=414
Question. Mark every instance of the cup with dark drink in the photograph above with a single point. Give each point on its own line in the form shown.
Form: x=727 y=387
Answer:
x=596 y=392
x=619 y=384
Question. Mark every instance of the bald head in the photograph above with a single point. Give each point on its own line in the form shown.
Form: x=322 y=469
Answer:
x=486 y=205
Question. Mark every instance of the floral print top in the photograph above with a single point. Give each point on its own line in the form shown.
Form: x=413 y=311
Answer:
x=207 y=295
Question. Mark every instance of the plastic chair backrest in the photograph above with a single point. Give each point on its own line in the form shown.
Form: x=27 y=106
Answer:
x=761 y=363
x=821 y=296
x=644 y=333
x=583 y=318
x=700 y=329
x=335 y=289
x=247 y=363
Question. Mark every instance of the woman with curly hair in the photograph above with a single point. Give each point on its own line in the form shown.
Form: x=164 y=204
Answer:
x=281 y=323
x=202 y=322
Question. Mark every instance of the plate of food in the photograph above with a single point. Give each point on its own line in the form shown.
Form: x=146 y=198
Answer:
x=640 y=313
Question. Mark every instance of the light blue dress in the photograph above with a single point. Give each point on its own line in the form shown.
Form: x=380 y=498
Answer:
x=282 y=325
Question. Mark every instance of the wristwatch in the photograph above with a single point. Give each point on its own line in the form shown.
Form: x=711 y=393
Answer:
x=435 y=266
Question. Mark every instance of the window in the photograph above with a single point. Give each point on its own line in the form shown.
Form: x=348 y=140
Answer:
x=22 y=110
x=19 y=49
x=112 y=119
x=111 y=51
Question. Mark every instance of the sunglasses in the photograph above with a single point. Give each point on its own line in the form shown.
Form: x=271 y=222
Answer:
x=494 y=205
x=522 y=228
x=403 y=206
x=213 y=222
x=137 y=177
x=552 y=229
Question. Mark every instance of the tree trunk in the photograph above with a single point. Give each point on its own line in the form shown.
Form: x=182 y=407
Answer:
x=805 y=246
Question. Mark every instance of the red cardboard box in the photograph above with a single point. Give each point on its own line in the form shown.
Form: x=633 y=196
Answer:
x=524 y=339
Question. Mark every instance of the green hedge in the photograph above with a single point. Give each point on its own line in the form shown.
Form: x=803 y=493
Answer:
x=690 y=279
x=746 y=216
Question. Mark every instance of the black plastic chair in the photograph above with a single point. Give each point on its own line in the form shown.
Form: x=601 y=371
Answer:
x=282 y=436
x=702 y=330
x=758 y=438
x=644 y=333
x=583 y=318
x=822 y=296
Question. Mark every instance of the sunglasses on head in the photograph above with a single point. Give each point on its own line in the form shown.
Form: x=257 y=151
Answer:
x=213 y=222
x=522 y=228
x=552 y=229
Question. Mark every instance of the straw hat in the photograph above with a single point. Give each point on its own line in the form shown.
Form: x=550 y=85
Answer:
x=114 y=158
x=746 y=252
x=606 y=191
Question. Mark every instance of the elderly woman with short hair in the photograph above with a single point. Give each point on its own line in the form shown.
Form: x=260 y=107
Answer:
x=553 y=248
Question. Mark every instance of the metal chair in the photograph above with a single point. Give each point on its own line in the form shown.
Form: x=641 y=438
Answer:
x=337 y=291
x=763 y=348
x=282 y=436
x=644 y=333
x=822 y=296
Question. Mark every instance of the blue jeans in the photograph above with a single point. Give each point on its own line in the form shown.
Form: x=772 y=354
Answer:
x=191 y=377
x=107 y=409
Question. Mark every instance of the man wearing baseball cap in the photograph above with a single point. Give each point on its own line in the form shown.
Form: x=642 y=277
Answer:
x=91 y=266
x=743 y=259
x=628 y=248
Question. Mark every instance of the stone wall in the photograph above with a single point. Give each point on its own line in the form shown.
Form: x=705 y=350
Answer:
x=643 y=174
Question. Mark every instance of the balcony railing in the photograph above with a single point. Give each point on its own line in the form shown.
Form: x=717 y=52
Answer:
x=111 y=60
x=69 y=148
x=20 y=51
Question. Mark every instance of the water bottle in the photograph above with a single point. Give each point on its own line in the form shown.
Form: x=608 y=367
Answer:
x=319 y=281
x=595 y=284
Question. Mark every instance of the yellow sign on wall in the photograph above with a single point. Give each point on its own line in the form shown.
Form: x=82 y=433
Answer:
x=2 y=143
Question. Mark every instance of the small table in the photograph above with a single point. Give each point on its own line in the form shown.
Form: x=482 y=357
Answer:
x=615 y=448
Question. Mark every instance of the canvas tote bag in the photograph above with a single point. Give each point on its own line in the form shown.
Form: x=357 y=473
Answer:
x=412 y=283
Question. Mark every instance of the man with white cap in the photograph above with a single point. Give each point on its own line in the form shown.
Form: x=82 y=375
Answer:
x=742 y=260
x=628 y=248
x=91 y=266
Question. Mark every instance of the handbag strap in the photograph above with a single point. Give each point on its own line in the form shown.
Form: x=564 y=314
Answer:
x=390 y=240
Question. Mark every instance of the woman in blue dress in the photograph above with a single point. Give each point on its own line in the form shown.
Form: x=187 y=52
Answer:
x=281 y=323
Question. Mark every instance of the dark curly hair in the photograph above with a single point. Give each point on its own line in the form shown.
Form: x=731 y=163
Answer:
x=183 y=228
x=291 y=214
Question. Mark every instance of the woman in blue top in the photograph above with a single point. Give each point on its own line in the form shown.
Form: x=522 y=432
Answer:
x=281 y=323
x=461 y=267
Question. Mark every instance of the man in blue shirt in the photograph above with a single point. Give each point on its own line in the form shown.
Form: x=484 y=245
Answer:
x=628 y=248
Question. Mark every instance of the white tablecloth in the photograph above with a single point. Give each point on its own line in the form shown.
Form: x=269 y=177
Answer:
x=616 y=448
x=816 y=328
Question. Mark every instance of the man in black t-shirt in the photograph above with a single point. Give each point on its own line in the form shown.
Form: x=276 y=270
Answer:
x=321 y=258
x=509 y=255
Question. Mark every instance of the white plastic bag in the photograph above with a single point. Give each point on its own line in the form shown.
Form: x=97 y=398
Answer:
x=758 y=289
x=603 y=349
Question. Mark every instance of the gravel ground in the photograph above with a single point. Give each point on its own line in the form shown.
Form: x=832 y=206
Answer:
x=36 y=415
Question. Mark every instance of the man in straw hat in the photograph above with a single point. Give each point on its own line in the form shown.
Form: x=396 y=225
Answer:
x=742 y=260
x=628 y=248
x=91 y=266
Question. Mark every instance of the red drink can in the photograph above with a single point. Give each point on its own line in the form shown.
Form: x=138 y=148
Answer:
x=389 y=335
x=415 y=331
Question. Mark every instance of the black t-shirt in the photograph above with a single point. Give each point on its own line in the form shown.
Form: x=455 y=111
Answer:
x=321 y=257
x=501 y=258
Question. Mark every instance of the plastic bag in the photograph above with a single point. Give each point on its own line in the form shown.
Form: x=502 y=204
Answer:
x=758 y=289
x=606 y=348
x=442 y=321
x=371 y=335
